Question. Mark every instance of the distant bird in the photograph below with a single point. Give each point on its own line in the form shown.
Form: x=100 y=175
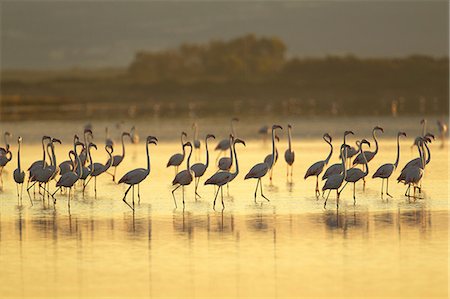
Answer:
x=224 y=144
x=4 y=159
x=355 y=174
x=68 y=179
x=221 y=178
x=264 y=131
x=177 y=159
x=4 y=150
x=260 y=170
x=334 y=182
x=337 y=167
x=289 y=155
x=369 y=155
x=134 y=135
x=196 y=141
x=136 y=176
x=184 y=177
x=317 y=168
x=443 y=129
x=199 y=169
x=108 y=140
x=99 y=168
x=19 y=174
x=386 y=170
x=117 y=159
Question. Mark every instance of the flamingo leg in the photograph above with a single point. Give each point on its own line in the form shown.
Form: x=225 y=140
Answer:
x=17 y=187
x=124 y=198
x=326 y=199
x=228 y=190
x=317 y=186
x=114 y=175
x=215 y=197
x=382 y=186
x=132 y=192
x=84 y=186
x=287 y=172
x=21 y=191
x=173 y=195
x=182 y=190
x=139 y=195
x=260 y=183
x=256 y=190
x=95 y=186
x=56 y=191
x=68 y=198
x=387 y=188
x=343 y=187
x=354 y=196
x=407 y=190
x=337 y=199
x=221 y=197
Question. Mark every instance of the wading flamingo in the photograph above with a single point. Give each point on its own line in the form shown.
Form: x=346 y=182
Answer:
x=86 y=171
x=225 y=163
x=317 y=168
x=87 y=134
x=177 y=159
x=386 y=170
x=224 y=144
x=355 y=174
x=4 y=150
x=289 y=155
x=4 y=159
x=19 y=174
x=136 y=176
x=260 y=170
x=334 y=182
x=99 y=168
x=337 y=167
x=369 y=155
x=184 y=177
x=199 y=169
x=269 y=158
x=39 y=163
x=413 y=175
x=68 y=165
x=224 y=177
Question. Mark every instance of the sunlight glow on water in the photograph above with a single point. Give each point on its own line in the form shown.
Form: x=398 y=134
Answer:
x=289 y=246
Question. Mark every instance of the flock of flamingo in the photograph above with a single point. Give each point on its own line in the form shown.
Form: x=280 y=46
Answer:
x=81 y=168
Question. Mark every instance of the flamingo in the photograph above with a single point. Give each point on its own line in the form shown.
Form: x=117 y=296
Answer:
x=4 y=159
x=289 y=155
x=442 y=128
x=264 y=131
x=117 y=159
x=224 y=144
x=44 y=174
x=86 y=171
x=136 y=176
x=355 y=174
x=413 y=174
x=199 y=169
x=39 y=163
x=386 y=170
x=260 y=170
x=99 y=168
x=83 y=155
x=334 y=182
x=184 y=177
x=224 y=177
x=177 y=159
x=337 y=167
x=19 y=174
x=369 y=155
x=423 y=122
x=317 y=168
x=418 y=162
x=134 y=135
x=4 y=150
x=68 y=179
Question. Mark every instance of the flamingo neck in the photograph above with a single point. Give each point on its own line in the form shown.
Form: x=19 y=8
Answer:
x=43 y=151
x=424 y=127
x=18 y=158
x=428 y=154
x=207 y=153
x=123 y=146
x=343 y=158
x=273 y=148
x=331 y=151
x=236 y=158
x=90 y=159
x=231 y=150
x=148 y=158
x=188 y=159
x=79 y=167
x=289 y=138
x=110 y=160
x=365 y=159
x=376 y=142
x=398 y=152
x=52 y=147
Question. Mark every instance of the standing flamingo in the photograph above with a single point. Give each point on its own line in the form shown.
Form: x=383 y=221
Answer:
x=413 y=174
x=317 y=168
x=68 y=165
x=136 y=176
x=355 y=174
x=334 y=182
x=177 y=159
x=19 y=174
x=87 y=134
x=442 y=128
x=199 y=169
x=337 y=167
x=4 y=150
x=386 y=170
x=4 y=159
x=99 y=168
x=117 y=159
x=39 y=163
x=260 y=170
x=184 y=177
x=225 y=163
x=224 y=177
x=68 y=179
x=270 y=160
x=369 y=155
x=86 y=171
x=289 y=154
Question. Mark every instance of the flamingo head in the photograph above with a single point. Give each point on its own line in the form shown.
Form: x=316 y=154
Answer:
x=429 y=136
x=364 y=141
x=152 y=140
x=88 y=131
x=92 y=145
x=234 y=119
x=19 y=140
x=422 y=121
x=401 y=134
x=210 y=136
x=7 y=134
x=46 y=137
x=348 y=133
x=377 y=128
x=277 y=127
x=237 y=140
x=327 y=137
x=187 y=144
x=126 y=134
x=56 y=140
x=109 y=148
x=183 y=134
x=78 y=143
x=289 y=126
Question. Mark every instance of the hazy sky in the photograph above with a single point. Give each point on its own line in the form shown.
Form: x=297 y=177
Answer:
x=41 y=34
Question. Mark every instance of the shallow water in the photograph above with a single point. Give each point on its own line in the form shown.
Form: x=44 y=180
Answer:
x=288 y=247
